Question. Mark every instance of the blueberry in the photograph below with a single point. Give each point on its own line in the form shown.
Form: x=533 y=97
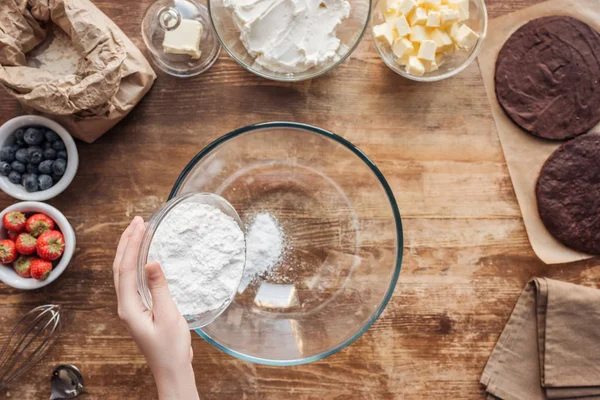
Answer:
x=7 y=154
x=21 y=155
x=34 y=155
x=16 y=147
x=46 y=145
x=5 y=168
x=51 y=136
x=62 y=154
x=17 y=166
x=45 y=182
x=32 y=169
x=59 y=145
x=30 y=181
x=14 y=177
x=50 y=154
x=19 y=134
x=46 y=167
x=56 y=177
x=34 y=136
x=59 y=166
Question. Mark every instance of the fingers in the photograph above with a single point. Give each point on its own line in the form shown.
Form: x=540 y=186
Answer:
x=163 y=306
x=121 y=249
x=129 y=300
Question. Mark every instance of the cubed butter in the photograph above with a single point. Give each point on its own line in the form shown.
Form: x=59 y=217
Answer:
x=454 y=31
x=415 y=66
x=384 y=32
x=433 y=2
x=462 y=6
x=430 y=66
x=402 y=26
x=406 y=6
x=427 y=50
x=434 y=19
x=391 y=16
x=402 y=47
x=391 y=5
x=466 y=37
x=418 y=17
x=449 y=15
x=442 y=40
x=185 y=39
x=418 y=33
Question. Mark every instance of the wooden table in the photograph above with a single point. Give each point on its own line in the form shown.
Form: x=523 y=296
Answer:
x=466 y=254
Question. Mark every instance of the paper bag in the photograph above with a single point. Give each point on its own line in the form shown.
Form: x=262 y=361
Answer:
x=107 y=81
x=525 y=154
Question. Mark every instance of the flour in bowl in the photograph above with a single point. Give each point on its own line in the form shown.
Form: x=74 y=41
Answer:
x=202 y=253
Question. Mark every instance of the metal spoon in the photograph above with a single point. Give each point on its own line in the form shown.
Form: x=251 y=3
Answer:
x=66 y=382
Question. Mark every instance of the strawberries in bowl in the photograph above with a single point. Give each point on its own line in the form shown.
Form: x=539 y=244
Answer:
x=36 y=245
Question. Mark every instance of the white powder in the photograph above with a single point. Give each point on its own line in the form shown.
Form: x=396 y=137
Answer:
x=201 y=251
x=56 y=55
x=264 y=245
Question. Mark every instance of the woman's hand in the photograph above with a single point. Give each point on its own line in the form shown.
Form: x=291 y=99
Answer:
x=162 y=334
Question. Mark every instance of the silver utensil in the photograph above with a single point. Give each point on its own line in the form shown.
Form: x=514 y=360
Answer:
x=29 y=340
x=66 y=382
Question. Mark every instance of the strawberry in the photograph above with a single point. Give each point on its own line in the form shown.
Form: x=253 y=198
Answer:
x=40 y=269
x=26 y=244
x=12 y=235
x=14 y=221
x=23 y=266
x=50 y=245
x=38 y=224
x=8 y=251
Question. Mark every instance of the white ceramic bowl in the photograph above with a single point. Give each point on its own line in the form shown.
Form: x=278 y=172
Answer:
x=8 y=274
x=7 y=138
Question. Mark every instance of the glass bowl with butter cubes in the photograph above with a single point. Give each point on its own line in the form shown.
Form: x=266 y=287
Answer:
x=179 y=37
x=429 y=40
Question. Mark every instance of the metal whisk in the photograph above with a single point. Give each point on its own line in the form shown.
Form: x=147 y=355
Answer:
x=29 y=341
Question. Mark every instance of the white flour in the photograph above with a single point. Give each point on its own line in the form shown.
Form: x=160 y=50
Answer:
x=56 y=55
x=201 y=251
x=264 y=245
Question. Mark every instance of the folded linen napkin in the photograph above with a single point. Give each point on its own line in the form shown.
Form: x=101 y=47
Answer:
x=550 y=347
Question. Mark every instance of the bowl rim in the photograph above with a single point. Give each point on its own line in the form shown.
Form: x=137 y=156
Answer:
x=8 y=129
x=313 y=75
x=434 y=78
x=392 y=201
x=70 y=243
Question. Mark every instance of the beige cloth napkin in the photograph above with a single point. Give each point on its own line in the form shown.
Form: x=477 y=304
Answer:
x=550 y=347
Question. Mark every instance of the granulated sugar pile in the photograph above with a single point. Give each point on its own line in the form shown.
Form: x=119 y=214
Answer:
x=265 y=245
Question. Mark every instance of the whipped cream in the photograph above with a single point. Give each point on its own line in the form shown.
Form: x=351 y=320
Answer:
x=289 y=36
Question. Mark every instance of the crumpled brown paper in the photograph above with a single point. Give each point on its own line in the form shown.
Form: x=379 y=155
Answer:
x=111 y=77
x=525 y=154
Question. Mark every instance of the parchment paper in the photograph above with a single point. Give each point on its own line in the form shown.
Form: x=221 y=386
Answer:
x=525 y=154
x=110 y=80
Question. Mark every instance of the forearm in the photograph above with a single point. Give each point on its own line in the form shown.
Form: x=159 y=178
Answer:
x=180 y=385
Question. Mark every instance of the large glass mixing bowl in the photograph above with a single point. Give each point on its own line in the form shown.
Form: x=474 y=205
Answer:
x=343 y=240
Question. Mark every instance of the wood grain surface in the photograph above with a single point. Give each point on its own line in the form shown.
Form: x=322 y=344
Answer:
x=466 y=253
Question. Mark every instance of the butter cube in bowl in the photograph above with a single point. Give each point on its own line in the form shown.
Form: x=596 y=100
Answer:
x=428 y=40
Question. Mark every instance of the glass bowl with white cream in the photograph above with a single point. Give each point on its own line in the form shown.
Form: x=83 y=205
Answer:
x=289 y=40
x=428 y=40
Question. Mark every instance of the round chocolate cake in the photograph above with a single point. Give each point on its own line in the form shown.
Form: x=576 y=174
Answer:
x=548 y=77
x=568 y=193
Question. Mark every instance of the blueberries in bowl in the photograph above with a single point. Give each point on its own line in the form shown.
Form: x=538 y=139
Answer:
x=37 y=159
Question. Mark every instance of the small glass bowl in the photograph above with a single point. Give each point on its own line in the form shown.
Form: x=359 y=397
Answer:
x=454 y=63
x=349 y=31
x=198 y=320
x=163 y=15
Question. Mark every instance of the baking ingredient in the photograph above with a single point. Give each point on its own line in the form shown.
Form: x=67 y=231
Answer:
x=62 y=154
x=271 y=295
x=7 y=154
x=12 y=235
x=25 y=244
x=265 y=244
x=547 y=76
x=5 y=168
x=35 y=155
x=50 y=245
x=290 y=36
x=57 y=55
x=14 y=221
x=568 y=194
x=45 y=182
x=17 y=166
x=30 y=183
x=185 y=39
x=14 y=177
x=21 y=155
x=50 y=154
x=34 y=136
x=59 y=167
x=46 y=166
x=202 y=253
x=38 y=224
x=422 y=36
x=40 y=269
x=22 y=266
x=8 y=251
